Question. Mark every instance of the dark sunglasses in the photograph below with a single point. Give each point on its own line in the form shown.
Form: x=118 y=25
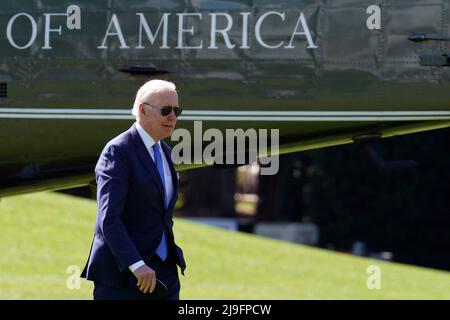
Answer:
x=165 y=111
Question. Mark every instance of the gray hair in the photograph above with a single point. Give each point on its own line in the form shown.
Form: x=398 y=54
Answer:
x=149 y=88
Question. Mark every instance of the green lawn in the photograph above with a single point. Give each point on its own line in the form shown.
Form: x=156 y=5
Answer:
x=44 y=233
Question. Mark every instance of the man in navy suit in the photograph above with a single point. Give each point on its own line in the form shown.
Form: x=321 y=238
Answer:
x=137 y=188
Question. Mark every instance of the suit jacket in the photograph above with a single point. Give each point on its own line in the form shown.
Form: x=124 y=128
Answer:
x=131 y=215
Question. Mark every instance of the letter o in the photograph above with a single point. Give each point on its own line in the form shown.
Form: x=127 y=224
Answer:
x=33 y=31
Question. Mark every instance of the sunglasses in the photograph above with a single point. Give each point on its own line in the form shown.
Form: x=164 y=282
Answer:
x=165 y=111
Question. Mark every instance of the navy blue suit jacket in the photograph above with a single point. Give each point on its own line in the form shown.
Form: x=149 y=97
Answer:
x=131 y=215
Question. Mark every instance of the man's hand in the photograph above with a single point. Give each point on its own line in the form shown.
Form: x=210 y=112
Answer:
x=146 y=278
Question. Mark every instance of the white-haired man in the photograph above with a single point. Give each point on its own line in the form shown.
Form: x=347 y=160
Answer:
x=133 y=254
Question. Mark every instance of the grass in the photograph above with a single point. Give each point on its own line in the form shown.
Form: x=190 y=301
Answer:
x=44 y=233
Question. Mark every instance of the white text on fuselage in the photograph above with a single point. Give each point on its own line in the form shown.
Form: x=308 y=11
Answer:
x=179 y=31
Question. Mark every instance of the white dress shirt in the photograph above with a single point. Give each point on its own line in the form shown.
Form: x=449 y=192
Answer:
x=149 y=142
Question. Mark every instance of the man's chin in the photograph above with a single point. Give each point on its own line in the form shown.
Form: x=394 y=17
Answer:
x=168 y=132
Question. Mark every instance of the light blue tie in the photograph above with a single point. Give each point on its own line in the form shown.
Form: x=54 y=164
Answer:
x=161 y=251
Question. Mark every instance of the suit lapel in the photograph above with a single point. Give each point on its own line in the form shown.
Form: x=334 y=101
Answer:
x=166 y=150
x=147 y=160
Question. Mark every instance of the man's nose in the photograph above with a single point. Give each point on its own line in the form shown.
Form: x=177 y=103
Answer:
x=172 y=115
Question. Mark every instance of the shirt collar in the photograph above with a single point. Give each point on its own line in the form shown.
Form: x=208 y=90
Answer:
x=146 y=138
